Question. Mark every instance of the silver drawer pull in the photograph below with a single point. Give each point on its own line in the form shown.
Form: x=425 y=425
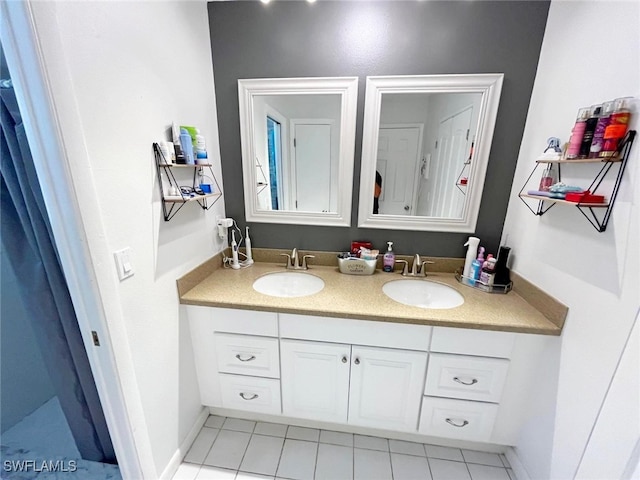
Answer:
x=252 y=357
x=244 y=396
x=452 y=422
x=344 y=359
x=472 y=382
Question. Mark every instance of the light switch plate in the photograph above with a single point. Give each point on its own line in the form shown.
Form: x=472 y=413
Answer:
x=123 y=263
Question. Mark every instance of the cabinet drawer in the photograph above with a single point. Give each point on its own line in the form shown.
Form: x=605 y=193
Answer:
x=245 y=321
x=355 y=332
x=247 y=355
x=472 y=342
x=465 y=377
x=251 y=393
x=462 y=419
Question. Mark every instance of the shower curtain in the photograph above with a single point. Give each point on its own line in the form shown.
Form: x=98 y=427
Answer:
x=27 y=237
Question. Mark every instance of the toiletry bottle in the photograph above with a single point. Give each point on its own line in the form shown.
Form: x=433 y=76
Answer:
x=589 y=129
x=577 y=133
x=548 y=178
x=187 y=146
x=201 y=148
x=501 y=270
x=598 y=135
x=476 y=266
x=616 y=130
x=472 y=251
x=165 y=153
x=389 y=259
x=488 y=271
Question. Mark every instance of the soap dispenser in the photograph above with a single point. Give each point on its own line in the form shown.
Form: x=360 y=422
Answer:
x=389 y=259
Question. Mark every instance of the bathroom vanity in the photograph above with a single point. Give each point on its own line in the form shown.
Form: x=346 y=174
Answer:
x=350 y=357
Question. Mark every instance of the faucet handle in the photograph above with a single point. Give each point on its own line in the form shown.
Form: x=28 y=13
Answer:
x=288 y=265
x=405 y=269
x=304 y=261
x=423 y=267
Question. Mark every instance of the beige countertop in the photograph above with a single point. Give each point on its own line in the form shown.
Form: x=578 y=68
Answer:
x=361 y=297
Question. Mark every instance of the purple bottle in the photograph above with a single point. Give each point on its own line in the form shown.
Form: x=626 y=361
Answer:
x=598 y=135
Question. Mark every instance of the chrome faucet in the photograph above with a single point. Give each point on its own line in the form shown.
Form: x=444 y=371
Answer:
x=418 y=269
x=293 y=262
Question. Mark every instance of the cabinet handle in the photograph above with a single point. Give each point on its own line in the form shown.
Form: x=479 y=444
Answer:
x=452 y=422
x=344 y=359
x=472 y=382
x=357 y=361
x=252 y=357
x=244 y=397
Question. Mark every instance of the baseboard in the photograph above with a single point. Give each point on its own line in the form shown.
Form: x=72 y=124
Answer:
x=182 y=450
x=516 y=465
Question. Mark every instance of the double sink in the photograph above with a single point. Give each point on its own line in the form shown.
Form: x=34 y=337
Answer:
x=416 y=292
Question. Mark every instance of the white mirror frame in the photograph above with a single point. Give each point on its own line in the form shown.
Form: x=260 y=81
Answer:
x=347 y=88
x=490 y=85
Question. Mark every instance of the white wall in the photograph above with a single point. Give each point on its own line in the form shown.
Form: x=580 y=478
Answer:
x=595 y=274
x=121 y=72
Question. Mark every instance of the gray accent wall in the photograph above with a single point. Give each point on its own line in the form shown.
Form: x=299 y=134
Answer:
x=357 y=38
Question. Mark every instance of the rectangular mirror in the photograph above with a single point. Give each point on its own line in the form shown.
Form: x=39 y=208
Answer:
x=298 y=140
x=425 y=150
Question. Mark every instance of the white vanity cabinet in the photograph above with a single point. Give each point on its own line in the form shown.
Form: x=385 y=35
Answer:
x=455 y=383
x=366 y=386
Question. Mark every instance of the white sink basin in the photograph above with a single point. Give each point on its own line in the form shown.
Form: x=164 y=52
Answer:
x=288 y=284
x=422 y=293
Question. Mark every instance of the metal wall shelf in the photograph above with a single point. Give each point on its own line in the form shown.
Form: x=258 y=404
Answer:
x=171 y=205
x=599 y=222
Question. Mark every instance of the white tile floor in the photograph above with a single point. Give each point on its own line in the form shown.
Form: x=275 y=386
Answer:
x=234 y=449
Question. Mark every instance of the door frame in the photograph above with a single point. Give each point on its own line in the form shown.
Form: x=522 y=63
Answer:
x=420 y=155
x=50 y=154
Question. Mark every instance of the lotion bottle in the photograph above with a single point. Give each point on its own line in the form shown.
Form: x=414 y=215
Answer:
x=187 y=146
x=389 y=259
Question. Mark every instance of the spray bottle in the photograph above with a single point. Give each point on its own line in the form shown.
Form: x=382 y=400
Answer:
x=472 y=250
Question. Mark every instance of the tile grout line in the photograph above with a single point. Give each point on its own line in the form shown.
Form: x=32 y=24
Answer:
x=317 y=451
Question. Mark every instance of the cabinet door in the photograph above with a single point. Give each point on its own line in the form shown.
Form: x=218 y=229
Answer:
x=315 y=379
x=386 y=387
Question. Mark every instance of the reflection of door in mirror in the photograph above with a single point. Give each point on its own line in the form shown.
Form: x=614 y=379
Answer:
x=311 y=149
x=399 y=149
x=449 y=155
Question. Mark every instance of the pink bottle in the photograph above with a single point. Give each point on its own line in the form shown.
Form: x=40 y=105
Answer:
x=577 y=133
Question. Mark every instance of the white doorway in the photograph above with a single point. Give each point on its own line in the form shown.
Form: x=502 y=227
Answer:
x=399 y=151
